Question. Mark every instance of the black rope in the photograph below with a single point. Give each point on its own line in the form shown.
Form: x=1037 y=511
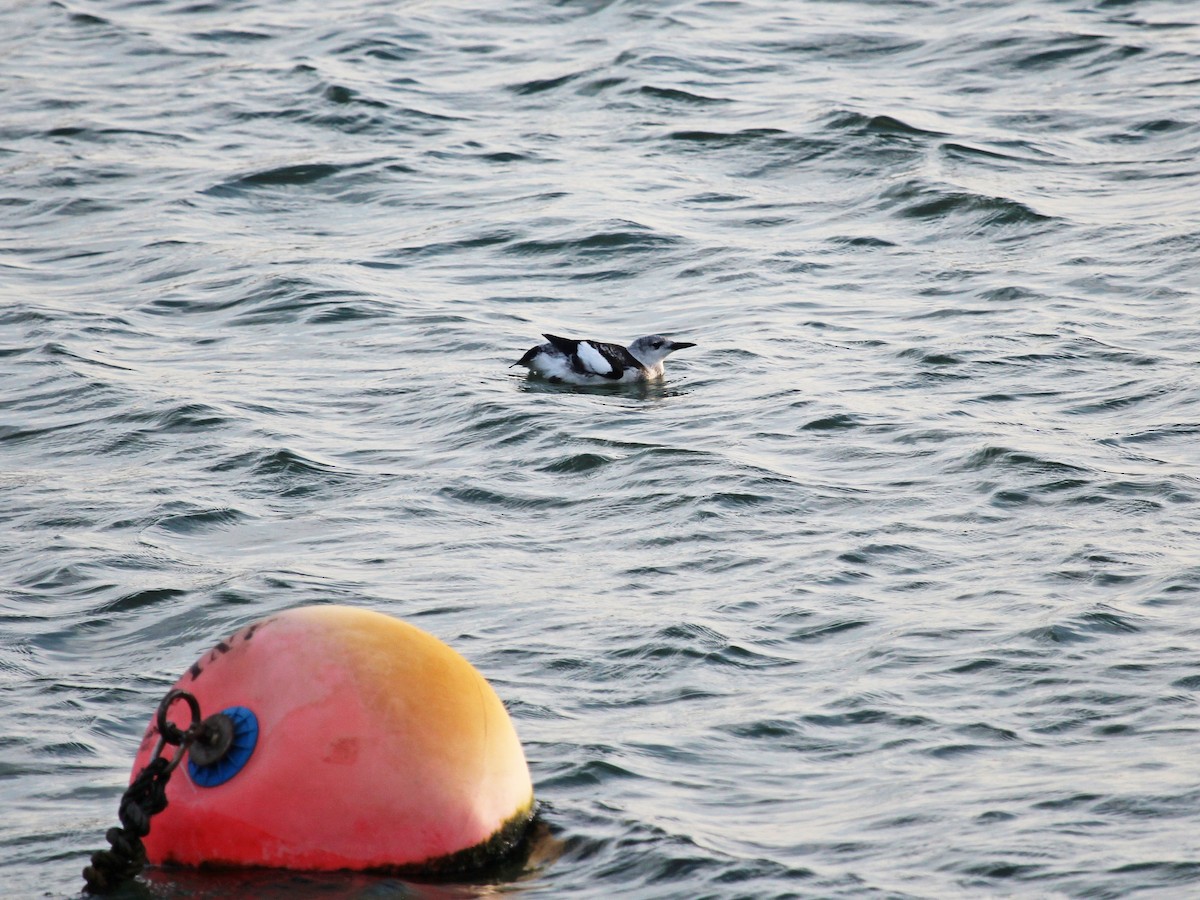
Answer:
x=145 y=797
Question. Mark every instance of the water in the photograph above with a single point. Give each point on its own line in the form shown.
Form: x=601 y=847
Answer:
x=890 y=589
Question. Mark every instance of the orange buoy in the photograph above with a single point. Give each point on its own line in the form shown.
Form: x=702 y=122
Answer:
x=355 y=741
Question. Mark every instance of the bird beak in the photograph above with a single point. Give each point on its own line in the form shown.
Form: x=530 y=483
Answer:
x=680 y=345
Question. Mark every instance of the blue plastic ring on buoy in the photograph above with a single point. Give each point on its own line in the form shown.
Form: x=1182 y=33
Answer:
x=245 y=738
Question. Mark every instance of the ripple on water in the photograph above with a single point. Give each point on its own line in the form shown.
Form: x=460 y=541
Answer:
x=982 y=213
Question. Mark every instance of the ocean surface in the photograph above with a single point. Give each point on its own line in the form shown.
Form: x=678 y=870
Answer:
x=891 y=587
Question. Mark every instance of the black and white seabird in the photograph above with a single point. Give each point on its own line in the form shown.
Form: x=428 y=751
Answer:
x=594 y=362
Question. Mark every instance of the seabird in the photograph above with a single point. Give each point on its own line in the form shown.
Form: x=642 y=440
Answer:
x=594 y=362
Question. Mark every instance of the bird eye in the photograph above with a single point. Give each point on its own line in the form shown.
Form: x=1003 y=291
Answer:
x=656 y=344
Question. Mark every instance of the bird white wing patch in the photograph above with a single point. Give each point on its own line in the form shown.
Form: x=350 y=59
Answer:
x=592 y=359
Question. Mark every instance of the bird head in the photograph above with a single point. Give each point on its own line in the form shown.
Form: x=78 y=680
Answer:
x=654 y=348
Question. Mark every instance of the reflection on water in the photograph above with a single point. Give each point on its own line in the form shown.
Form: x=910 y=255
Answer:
x=508 y=878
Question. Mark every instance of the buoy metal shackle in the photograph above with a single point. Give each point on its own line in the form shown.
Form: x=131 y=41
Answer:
x=170 y=733
x=206 y=741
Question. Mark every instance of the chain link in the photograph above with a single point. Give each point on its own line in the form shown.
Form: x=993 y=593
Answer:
x=145 y=797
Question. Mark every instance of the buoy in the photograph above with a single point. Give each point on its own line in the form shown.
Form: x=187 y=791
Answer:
x=351 y=740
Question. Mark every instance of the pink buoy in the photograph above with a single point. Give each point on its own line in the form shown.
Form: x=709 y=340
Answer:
x=354 y=741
